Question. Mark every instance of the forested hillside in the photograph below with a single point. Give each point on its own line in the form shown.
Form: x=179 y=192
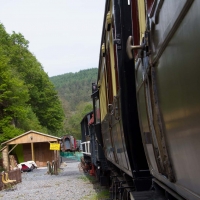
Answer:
x=28 y=99
x=75 y=87
x=74 y=90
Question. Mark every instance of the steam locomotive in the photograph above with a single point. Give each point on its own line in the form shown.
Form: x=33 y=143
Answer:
x=145 y=132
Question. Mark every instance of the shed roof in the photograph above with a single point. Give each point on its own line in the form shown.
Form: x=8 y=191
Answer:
x=44 y=137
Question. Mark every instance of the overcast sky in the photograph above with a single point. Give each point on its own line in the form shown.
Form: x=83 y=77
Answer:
x=64 y=35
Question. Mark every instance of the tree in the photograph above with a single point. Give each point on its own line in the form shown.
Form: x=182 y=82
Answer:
x=13 y=98
x=74 y=127
x=28 y=100
x=43 y=97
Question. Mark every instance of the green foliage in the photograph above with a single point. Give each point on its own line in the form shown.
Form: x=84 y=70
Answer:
x=101 y=193
x=31 y=122
x=43 y=97
x=13 y=95
x=74 y=90
x=28 y=99
x=73 y=126
x=9 y=132
x=75 y=87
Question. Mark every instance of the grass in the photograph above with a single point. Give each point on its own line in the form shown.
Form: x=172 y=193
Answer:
x=88 y=178
x=102 y=193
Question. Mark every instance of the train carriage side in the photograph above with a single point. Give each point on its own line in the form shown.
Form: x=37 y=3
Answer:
x=115 y=104
x=166 y=56
x=86 y=145
x=94 y=160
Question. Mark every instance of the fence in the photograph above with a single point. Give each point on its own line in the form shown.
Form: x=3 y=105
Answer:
x=13 y=175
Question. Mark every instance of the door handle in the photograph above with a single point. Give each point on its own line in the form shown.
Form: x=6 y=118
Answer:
x=130 y=47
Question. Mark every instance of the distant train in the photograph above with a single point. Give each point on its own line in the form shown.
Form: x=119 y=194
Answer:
x=69 y=143
x=143 y=136
x=92 y=149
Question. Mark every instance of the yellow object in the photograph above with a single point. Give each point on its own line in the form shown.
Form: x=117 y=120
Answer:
x=54 y=146
x=8 y=180
x=108 y=21
x=142 y=16
x=5 y=183
x=103 y=49
x=112 y=64
x=103 y=101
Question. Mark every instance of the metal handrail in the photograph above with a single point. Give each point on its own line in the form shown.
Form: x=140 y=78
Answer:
x=87 y=147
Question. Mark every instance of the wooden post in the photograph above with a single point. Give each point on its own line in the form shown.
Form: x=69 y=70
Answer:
x=56 y=163
x=54 y=155
x=5 y=156
x=32 y=151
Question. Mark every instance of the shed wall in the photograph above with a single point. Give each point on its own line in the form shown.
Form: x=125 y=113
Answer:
x=43 y=154
x=41 y=151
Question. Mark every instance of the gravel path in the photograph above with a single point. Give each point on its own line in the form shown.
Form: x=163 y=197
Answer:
x=68 y=185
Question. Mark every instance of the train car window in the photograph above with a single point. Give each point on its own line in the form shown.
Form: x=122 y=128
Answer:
x=135 y=23
x=109 y=77
x=116 y=69
x=86 y=127
x=111 y=58
x=104 y=81
x=149 y=4
x=112 y=63
x=138 y=21
x=103 y=93
x=113 y=53
x=102 y=84
x=97 y=111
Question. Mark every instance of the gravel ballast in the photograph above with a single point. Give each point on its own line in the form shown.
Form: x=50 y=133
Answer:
x=68 y=185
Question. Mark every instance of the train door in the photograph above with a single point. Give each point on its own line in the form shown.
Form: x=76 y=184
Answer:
x=102 y=105
x=116 y=127
x=149 y=113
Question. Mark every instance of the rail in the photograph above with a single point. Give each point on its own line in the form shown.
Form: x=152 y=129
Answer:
x=86 y=147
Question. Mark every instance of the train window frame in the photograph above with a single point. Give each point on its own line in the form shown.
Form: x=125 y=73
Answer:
x=96 y=105
x=97 y=113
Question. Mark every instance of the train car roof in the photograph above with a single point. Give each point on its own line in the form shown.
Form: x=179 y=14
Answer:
x=86 y=116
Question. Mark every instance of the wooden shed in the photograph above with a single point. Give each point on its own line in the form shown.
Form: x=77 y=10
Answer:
x=31 y=145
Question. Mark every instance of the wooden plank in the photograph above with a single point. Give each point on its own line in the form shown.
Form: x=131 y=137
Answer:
x=32 y=137
x=32 y=151
x=43 y=154
x=27 y=152
x=12 y=148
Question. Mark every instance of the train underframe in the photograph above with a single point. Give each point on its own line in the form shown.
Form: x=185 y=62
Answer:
x=123 y=187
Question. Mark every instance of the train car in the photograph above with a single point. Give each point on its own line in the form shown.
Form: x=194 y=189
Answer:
x=166 y=56
x=115 y=105
x=85 y=138
x=68 y=143
x=94 y=159
x=78 y=145
x=146 y=107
